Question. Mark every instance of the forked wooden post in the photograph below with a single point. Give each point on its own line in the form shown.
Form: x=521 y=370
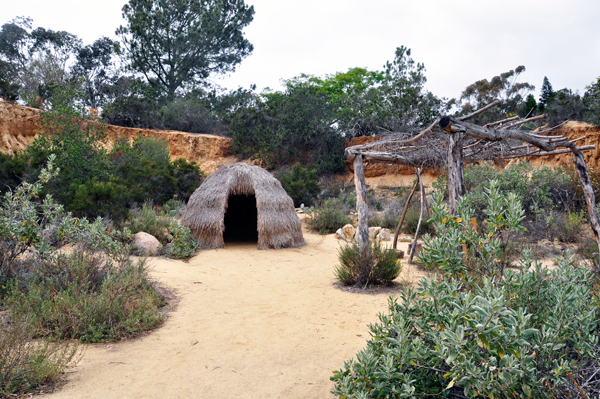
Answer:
x=588 y=193
x=362 y=232
x=456 y=173
x=412 y=192
x=413 y=247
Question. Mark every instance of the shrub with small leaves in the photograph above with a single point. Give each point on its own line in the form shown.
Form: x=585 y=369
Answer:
x=535 y=333
x=301 y=185
x=327 y=217
x=459 y=236
x=183 y=245
x=383 y=262
x=25 y=365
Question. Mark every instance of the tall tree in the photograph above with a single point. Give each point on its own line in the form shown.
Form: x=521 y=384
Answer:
x=32 y=61
x=547 y=94
x=14 y=48
x=591 y=99
x=564 y=105
x=176 y=44
x=406 y=102
x=504 y=87
x=93 y=64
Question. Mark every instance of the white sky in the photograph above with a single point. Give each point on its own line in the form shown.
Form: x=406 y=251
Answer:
x=459 y=41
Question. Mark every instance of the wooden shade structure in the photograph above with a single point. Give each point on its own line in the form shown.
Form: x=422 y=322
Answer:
x=451 y=141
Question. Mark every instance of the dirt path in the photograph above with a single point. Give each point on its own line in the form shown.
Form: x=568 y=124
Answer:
x=249 y=324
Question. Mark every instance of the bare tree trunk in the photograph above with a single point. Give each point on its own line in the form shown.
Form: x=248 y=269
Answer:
x=404 y=214
x=456 y=174
x=414 y=243
x=362 y=232
x=588 y=193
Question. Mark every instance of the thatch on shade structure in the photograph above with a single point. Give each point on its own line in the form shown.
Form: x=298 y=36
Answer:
x=243 y=201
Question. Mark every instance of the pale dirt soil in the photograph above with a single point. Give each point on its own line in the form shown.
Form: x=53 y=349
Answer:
x=247 y=324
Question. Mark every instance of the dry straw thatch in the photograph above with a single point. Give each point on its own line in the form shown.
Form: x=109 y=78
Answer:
x=278 y=224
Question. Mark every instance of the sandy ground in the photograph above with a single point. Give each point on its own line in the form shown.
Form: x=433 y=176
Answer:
x=248 y=324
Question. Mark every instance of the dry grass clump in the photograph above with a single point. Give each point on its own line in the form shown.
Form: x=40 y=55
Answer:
x=384 y=265
x=27 y=365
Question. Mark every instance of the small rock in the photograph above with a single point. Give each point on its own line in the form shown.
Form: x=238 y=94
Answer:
x=384 y=235
x=405 y=239
x=373 y=231
x=339 y=234
x=349 y=232
x=146 y=243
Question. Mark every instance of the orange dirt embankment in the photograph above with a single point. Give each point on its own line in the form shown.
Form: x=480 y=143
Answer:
x=19 y=126
x=572 y=130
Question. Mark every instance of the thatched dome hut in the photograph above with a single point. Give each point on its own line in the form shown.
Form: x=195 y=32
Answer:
x=243 y=202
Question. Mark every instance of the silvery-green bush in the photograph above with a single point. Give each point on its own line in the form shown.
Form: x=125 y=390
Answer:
x=533 y=333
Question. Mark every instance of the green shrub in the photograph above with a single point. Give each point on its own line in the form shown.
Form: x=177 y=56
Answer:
x=25 y=364
x=383 y=264
x=146 y=219
x=411 y=220
x=174 y=207
x=486 y=245
x=301 y=185
x=177 y=240
x=327 y=217
x=88 y=297
x=390 y=216
x=588 y=251
x=183 y=245
x=148 y=174
x=535 y=333
x=568 y=226
x=539 y=189
x=95 y=198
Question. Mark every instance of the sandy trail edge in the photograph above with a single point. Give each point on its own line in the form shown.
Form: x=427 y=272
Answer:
x=249 y=324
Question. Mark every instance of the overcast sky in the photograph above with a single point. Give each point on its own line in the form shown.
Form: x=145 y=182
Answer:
x=459 y=41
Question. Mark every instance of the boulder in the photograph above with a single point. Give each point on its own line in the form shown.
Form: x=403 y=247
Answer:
x=146 y=243
x=384 y=235
x=339 y=234
x=349 y=232
x=373 y=231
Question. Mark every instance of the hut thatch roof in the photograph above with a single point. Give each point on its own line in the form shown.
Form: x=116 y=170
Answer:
x=277 y=223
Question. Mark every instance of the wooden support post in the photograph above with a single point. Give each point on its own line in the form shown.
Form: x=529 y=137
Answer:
x=414 y=243
x=456 y=173
x=362 y=232
x=590 y=199
x=412 y=192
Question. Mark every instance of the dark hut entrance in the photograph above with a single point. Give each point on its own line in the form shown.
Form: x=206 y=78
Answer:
x=241 y=219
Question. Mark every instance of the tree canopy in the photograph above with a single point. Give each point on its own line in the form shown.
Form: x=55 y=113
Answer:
x=176 y=44
x=504 y=87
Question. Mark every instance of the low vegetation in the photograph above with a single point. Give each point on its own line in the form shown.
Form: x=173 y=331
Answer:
x=327 y=217
x=484 y=328
x=27 y=364
x=177 y=240
x=384 y=264
x=93 y=293
x=301 y=185
x=534 y=332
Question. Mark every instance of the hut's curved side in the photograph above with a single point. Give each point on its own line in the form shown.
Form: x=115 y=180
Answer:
x=278 y=224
